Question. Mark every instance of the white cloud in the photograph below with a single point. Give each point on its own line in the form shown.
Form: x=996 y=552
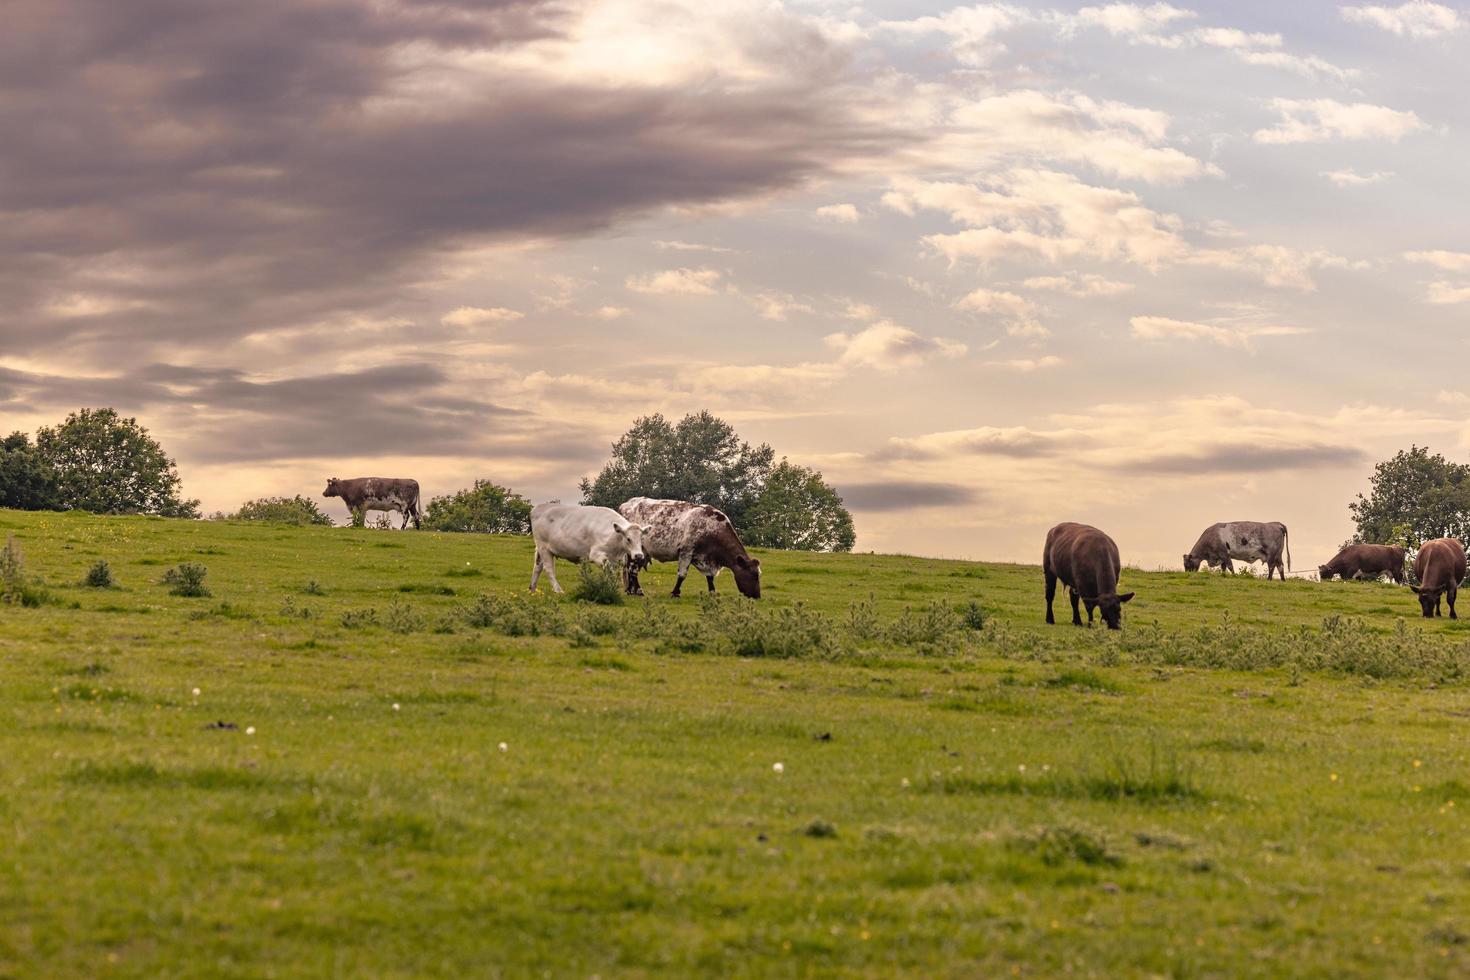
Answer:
x=1133 y=19
x=1441 y=259
x=1026 y=365
x=678 y=246
x=971 y=30
x=777 y=306
x=1319 y=120
x=478 y=316
x=610 y=312
x=841 y=213
x=1081 y=285
x=1017 y=312
x=1351 y=178
x=1418 y=18
x=676 y=282
x=1445 y=293
x=1242 y=337
x=886 y=346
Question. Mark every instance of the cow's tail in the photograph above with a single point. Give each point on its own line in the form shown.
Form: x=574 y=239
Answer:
x=417 y=506
x=1286 y=540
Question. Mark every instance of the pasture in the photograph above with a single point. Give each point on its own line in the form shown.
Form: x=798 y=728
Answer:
x=371 y=753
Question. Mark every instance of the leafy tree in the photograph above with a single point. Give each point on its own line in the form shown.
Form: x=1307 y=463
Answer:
x=27 y=480
x=110 y=465
x=799 y=511
x=300 y=511
x=699 y=459
x=1416 y=496
x=484 y=508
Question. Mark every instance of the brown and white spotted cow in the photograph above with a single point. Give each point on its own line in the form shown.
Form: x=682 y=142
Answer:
x=383 y=493
x=1246 y=540
x=693 y=534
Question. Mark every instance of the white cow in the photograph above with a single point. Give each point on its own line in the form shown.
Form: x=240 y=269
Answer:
x=578 y=534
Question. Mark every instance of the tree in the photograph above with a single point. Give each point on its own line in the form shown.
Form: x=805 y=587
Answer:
x=110 y=465
x=27 y=480
x=1413 y=497
x=699 y=459
x=299 y=511
x=484 y=508
x=799 y=511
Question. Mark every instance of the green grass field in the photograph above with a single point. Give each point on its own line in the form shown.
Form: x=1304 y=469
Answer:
x=423 y=771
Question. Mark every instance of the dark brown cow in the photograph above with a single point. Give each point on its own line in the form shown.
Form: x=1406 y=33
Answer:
x=384 y=493
x=1366 y=561
x=1440 y=568
x=1085 y=560
x=692 y=534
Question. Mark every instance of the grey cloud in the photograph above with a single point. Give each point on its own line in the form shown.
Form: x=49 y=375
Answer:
x=1009 y=443
x=224 y=155
x=905 y=495
x=1245 y=458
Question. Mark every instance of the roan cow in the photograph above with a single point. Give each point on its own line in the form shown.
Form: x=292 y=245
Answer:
x=1370 y=561
x=579 y=533
x=1440 y=568
x=367 y=493
x=1246 y=540
x=692 y=534
x=1085 y=560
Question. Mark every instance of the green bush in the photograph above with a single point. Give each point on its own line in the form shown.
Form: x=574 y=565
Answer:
x=601 y=585
x=484 y=508
x=187 y=579
x=298 y=511
x=16 y=588
x=99 y=576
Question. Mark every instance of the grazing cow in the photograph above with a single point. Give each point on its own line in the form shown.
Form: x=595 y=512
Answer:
x=1246 y=540
x=1085 y=560
x=578 y=534
x=1440 y=568
x=692 y=534
x=1366 y=561
x=377 y=493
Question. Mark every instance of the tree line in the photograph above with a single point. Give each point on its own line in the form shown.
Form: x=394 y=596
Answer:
x=98 y=461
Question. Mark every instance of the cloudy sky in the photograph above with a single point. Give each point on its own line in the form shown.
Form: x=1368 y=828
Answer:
x=989 y=267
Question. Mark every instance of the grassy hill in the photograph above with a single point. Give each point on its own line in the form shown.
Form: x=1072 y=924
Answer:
x=371 y=753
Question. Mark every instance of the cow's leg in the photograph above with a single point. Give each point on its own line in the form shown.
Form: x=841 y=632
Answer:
x=684 y=561
x=1090 y=607
x=1051 y=593
x=536 y=570
x=1076 y=615
x=1450 y=598
x=404 y=525
x=1227 y=565
x=549 y=563
x=711 y=580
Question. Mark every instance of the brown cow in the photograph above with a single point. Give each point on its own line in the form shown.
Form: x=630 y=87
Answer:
x=366 y=493
x=1086 y=561
x=1440 y=568
x=1366 y=561
x=692 y=534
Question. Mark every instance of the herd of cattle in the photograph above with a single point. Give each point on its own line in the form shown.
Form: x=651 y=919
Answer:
x=1080 y=557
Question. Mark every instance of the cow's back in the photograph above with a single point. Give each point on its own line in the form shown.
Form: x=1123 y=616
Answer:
x=1440 y=564
x=1083 y=557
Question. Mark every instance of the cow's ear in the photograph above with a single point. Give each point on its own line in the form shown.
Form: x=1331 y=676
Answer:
x=647 y=528
x=742 y=561
x=1125 y=597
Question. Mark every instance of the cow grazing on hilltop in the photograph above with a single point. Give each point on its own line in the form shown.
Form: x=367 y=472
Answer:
x=578 y=534
x=1246 y=540
x=1440 y=568
x=377 y=493
x=1085 y=560
x=1366 y=561
x=693 y=534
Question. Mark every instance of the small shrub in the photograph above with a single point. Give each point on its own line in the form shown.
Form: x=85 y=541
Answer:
x=355 y=619
x=383 y=523
x=862 y=620
x=401 y=617
x=820 y=828
x=1063 y=845
x=187 y=579
x=297 y=511
x=580 y=639
x=926 y=626
x=601 y=585
x=313 y=587
x=290 y=610
x=973 y=616
x=15 y=587
x=99 y=576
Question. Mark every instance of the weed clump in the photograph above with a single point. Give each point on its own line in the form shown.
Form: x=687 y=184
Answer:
x=401 y=617
x=356 y=619
x=15 y=587
x=1063 y=845
x=99 y=576
x=187 y=579
x=313 y=587
x=600 y=585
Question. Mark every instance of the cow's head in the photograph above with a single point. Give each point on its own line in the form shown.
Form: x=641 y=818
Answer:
x=631 y=536
x=747 y=572
x=334 y=488
x=1111 y=607
x=1191 y=563
x=1324 y=573
x=1428 y=600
